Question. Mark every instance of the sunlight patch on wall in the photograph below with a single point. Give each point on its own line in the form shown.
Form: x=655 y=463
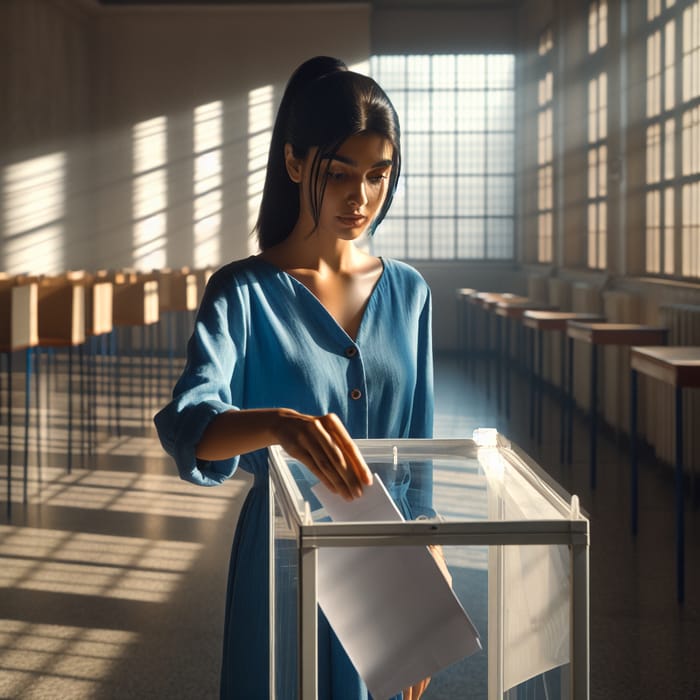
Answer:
x=34 y=195
x=126 y=568
x=260 y=121
x=58 y=661
x=150 y=193
x=207 y=184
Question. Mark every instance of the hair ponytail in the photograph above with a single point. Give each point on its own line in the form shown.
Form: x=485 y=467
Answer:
x=279 y=208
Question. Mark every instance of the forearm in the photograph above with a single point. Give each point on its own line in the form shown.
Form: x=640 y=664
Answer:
x=321 y=442
x=238 y=432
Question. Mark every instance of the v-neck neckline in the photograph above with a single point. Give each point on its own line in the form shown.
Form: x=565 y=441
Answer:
x=322 y=306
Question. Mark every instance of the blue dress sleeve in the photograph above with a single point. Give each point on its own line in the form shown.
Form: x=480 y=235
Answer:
x=214 y=355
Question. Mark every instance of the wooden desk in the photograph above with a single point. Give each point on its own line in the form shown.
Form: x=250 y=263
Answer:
x=679 y=367
x=597 y=334
x=539 y=322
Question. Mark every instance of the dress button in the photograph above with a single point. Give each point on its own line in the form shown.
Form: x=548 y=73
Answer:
x=351 y=351
x=355 y=394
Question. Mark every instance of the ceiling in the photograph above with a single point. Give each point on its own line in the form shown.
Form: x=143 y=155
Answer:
x=379 y=4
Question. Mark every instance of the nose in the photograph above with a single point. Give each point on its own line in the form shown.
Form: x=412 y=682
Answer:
x=357 y=197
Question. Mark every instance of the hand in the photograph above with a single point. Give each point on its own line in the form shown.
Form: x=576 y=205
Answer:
x=323 y=444
x=416 y=690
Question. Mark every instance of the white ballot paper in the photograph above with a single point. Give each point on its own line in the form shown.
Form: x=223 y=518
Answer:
x=391 y=607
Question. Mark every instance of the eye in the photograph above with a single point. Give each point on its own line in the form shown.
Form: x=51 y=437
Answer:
x=336 y=175
x=376 y=178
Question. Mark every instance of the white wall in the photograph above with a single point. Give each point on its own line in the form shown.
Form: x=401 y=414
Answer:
x=445 y=277
x=81 y=76
x=165 y=63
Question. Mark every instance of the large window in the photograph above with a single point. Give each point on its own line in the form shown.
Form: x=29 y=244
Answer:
x=673 y=138
x=597 y=210
x=456 y=192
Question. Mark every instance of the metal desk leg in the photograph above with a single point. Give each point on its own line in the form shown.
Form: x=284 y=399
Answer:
x=507 y=370
x=70 y=410
x=594 y=414
x=487 y=352
x=562 y=395
x=37 y=392
x=8 y=368
x=499 y=361
x=570 y=404
x=540 y=382
x=27 y=403
x=680 y=520
x=634 y=475
x=531 y=357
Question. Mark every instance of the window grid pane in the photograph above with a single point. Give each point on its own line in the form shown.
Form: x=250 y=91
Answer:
x=673 y=127
x=456 y=193
x=597 y=170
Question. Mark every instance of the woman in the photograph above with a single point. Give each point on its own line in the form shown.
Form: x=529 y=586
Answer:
x=309 y=344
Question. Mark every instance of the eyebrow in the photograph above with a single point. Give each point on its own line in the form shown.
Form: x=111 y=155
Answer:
x=350 y=161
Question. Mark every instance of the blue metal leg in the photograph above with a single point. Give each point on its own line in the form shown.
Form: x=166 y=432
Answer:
x=680 y=519
x=27 y=403
x=531 y=355
x=83 y=402
x=634 y=475
x=499 y=361
x=506 y=361
x=562 y=395
x=487 y=353
x=570 y=403
x=540 y=383
x=8 y=369
x=37 y=389
x=144 y=383
x=70 y=409
x=117 y=383
x=594 y=414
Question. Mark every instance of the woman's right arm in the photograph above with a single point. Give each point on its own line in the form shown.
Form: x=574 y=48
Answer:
x=320 y=442
x=205 y=428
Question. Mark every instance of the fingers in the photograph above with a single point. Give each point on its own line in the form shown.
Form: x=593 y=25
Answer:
x=331 y=461
x=323 y=444
x=416 y=690
x=337 y=430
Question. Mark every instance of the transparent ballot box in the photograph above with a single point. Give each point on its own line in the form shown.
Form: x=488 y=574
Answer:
x=507 y=617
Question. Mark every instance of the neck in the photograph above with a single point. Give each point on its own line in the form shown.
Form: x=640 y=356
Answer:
x=313 y=251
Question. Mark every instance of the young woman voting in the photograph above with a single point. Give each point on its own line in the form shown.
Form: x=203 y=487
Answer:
x=308 y=345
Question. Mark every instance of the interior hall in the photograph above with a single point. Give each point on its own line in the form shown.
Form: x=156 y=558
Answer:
x=549 y=196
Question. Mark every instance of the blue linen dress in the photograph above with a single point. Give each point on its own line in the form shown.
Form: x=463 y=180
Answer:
x=263 y=340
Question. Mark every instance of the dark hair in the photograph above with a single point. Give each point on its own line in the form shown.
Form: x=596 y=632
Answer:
x=323 y=105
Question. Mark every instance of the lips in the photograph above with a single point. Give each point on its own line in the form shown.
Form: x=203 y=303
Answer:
x=352 y=220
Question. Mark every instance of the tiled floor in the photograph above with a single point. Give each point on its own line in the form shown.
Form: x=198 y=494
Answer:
x=113 y=576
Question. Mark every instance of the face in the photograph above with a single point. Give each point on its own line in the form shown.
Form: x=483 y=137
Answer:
x=357 y=181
